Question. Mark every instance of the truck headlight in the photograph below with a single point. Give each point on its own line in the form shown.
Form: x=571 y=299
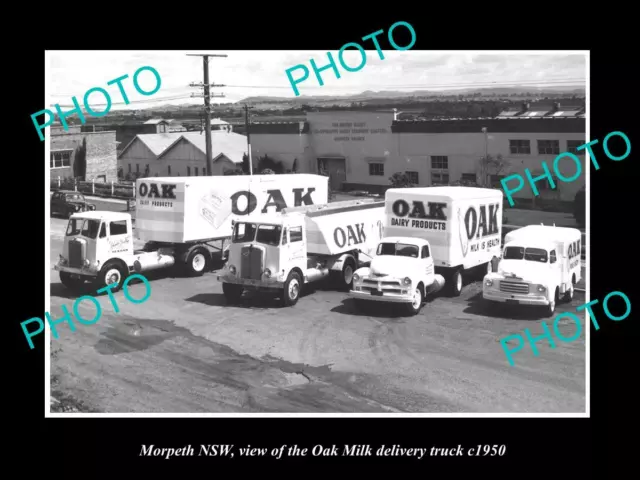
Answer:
x=488 y=282
x=232 y=269
x=267 y=273
x=356 y=277
x=542 y=289
x=407 y=281
x=62 y=260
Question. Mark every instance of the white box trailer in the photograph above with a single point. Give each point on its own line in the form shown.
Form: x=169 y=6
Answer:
x=178 y=218
x=462 y=224
x=282 y=252
x=540 y=265
x=192 y=209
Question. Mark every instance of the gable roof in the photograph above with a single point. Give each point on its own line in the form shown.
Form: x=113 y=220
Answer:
x=155 y=121
x=231 y=145
x=157 y=143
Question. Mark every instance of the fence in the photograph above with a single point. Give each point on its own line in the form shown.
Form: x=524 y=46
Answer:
x=124 y=190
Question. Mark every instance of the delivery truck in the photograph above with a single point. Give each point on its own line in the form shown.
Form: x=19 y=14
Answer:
x=540 y=265
x=463 y=226
x=280 y=253
x=179 y=219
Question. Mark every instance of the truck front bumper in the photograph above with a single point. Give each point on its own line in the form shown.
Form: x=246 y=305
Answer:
x=498 y=296
x=385 y=297
x=87 y=272
x=274 y=284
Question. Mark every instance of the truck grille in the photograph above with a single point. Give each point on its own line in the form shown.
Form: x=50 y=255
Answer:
x=251 y=264
x=514 y=287
x=77 y=253
x=386 y=286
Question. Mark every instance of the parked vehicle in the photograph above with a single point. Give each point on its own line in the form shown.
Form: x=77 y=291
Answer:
x=402 y=271
x=580 y=207
x=282 y=252
x=463 y=226
x=539 y=266
x=178 y=218
x=68 y=202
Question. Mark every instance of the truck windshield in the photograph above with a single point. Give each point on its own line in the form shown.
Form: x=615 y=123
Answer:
x=398 y=249
x=269 y=234
x=244 y=232
x=520 y=253
x=84 y=227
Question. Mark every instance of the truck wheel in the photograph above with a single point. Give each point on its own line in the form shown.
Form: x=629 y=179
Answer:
x=291 y=291
x=568 y=295
x=69 y=282
x=551 y=308
x=111 y=273
x=232 y=292
x=455 y=283
x=418 y=298
x=346 y=278
x=197 y=262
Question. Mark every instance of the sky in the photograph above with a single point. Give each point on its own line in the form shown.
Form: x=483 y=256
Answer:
x=262 y=73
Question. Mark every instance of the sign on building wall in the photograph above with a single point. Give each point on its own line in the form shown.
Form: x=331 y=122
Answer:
x=349 y=131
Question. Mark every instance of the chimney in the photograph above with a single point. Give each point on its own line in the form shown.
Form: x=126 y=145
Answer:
x=525 y=106
x=395 y=114
x=556 y=106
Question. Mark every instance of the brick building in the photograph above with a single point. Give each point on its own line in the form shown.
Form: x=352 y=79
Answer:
x=98 y=148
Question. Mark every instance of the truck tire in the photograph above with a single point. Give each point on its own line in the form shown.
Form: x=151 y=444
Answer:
x=551 y=308
x=455 y=283
x=197 y=262
x=345 y=280
x=418 y=299
x=291 y=290
x=232 y=292
x=72 y=284
x=568 y=295
x=111 y=273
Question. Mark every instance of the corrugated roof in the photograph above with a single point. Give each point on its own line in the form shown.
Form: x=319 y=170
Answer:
x=231 y=145
x=157 y=142
x=155 y=121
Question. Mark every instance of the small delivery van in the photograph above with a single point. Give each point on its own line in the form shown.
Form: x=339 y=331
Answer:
x=540 y=265
x=463 y=226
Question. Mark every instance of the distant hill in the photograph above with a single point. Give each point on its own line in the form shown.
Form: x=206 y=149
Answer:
x=392 y=94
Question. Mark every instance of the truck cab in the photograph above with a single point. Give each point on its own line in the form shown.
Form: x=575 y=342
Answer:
x=402 y=271
x=540 y=265
x=94 y=245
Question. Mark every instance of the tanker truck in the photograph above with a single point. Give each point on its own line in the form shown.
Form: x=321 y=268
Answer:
x=279 y=253
x=179 y=219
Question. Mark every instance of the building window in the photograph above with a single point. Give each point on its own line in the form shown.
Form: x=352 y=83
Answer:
x=495 y=180
x=188 y=171
x=196 y=171
x=129 y=168
x=414 y=177
x=169 y=169
x=376 y=169
x=548 y=147
x=438 y=178
x=572 y=147
x=468 y=177
x=440 y=162
x=60 y=158
x=520 y=147
x=137 y=168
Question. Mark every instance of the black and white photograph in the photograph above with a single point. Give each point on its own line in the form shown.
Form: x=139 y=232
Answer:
x=361 y=233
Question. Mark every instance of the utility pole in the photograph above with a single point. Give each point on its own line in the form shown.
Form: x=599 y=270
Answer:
x=207 y=104
x=246 y=124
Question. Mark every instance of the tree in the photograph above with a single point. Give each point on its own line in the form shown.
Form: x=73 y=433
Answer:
x=80 y=160
x=268 y=163
x=294 y=167
x=491 y=165
x=245 y=163
x=401 y=180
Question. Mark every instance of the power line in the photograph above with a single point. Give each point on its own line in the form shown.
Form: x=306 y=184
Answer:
x=154 y=100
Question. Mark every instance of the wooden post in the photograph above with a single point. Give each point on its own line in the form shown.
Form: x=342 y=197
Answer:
x=58 y=181
x=75 y=184
x=93 y=186
x=112 y=189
